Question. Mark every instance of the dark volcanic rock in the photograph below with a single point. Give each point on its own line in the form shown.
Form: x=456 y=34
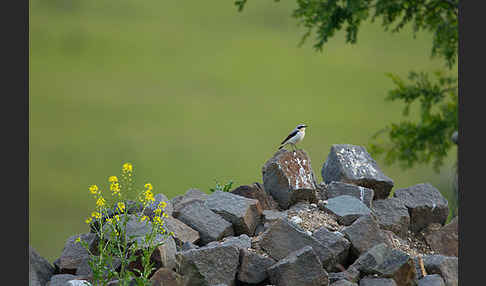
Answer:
x=346 y=208
x=209 y=224
x=425 y=205
x=352 y=164
x=445 y=241
x=242 y=212
x=392 y=215
x=281 y=238
x=336 y=189
x=40 y=270
x=253 y=266
x=182 y=232
x=335 y=241
x=369 y=281
x=445 y=266
x=288 y=177
x=74 y=254
x=301 y=267
x=363 y=234
x=431 y=280
x=209 y=265
x=255 y=191
x=387 y=262
x=166 y=277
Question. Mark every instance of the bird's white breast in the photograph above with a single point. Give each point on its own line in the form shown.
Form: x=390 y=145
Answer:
x=298 y=137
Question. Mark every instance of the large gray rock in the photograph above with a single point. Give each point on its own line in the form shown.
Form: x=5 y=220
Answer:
x=209 y=265
x=270 y=216
x=241 y=242
x=351 y=274
x=189 y=196
x=363 y=234
x=387 y=262
x=288 y=177
x=425 y=204
x=392 y=215
x=346 y=208
x=182 y=232
x=242 y=212
x=445 y=241
x=253 y=266
x=335 y=241
x=281 y=238
x=210 y=225
x=431 y=280
x=370 y=281
x=343 y=283
x=300 y=267
x=445 y=266
x=164 y=255
x=169 y=208
x=40 y=270
x=352 y=164
x=74 y=254
x=61 y=279
x=166 y=277
x=256 y=191
x=336 y=189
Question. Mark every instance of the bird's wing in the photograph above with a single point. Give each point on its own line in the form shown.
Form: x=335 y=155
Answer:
x=290 y=136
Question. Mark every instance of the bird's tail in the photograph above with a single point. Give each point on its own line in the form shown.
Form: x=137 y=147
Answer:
x=280 y=147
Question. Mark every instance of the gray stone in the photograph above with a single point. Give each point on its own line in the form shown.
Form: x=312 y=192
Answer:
x=164 y=255
x=431 y=280
x=387 y=262
x=182 y=232
x=189 y=196
x=40 y=270
x=136 y=231
x=253 y=266
x=363 y=234
x=445 y=266
x=300 y=267
x=61 y=279
x=288 y=177
x=351 y=275
x=256 y=191
x=75 y=254
x=335 y=241
x=166 y=277
x=79 y=283
x=336 y=189
x=241 y=242
x=209 y=265
x=352 y=164
x=242 y=212
x=149 y=210
x=343 y=283
x=445 y=241
x=346 y=208
x=392 y=215
x=425 y=204
x=209 y=224
x=188 y=245
x=282 y=238
x=369 y=281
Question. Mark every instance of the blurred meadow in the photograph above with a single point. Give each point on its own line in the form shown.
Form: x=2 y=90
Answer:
x=191 y=92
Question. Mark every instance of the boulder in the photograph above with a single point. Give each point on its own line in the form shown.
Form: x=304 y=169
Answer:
x=188 y=245
x=253 y=266
x=61 y=279
x=431 y=280
x=445 y=266
x=210 y=225
x=425 y=205
x=335 y=241
x=445 y=241
x=166 y=277
x=363 y=234
x=241 y=242
x=209 y=265
x=392 y=215
x=352 y=164
x=346 y=208
x=343 y=283
x=370 y=281
x=242 y=212
x=255 y=191
x=74 y=254
x=40 y=270
x=300 y=267
x=386 y=262
x=270 y=216
x=282 y=238
x=288 y=177
x=336 y=189
x=190 y=195
x=164 y=255
x=182 y=232
x=351 y=274
x=149 y=210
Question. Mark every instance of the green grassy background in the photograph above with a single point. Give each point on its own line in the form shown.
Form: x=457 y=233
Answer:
x=190 y=92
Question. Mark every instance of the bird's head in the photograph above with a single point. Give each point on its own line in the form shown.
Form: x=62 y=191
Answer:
x=301 y=127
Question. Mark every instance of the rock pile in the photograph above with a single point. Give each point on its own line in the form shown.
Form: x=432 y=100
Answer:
x=292 y=231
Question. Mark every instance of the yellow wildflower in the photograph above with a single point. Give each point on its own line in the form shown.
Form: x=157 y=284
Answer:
x=121 y=206
x=96 y=215
x=113 y=179
x=162 y=205
x=100 y=202
x=93 y=189
x=165 y=215
x=115 y=188
x=171 y=233
x=117 y=217
x=149 y=196
x=148 y=186
x=144 y=218
x=88 y=220
x=158 y=220
x=78 y=240
x=109 y=220
x=158 y=211
x=127 y=168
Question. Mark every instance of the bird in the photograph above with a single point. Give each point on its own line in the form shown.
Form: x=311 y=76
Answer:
x=294 y=137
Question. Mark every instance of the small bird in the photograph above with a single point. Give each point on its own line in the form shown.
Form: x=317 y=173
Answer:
x=294 y=137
